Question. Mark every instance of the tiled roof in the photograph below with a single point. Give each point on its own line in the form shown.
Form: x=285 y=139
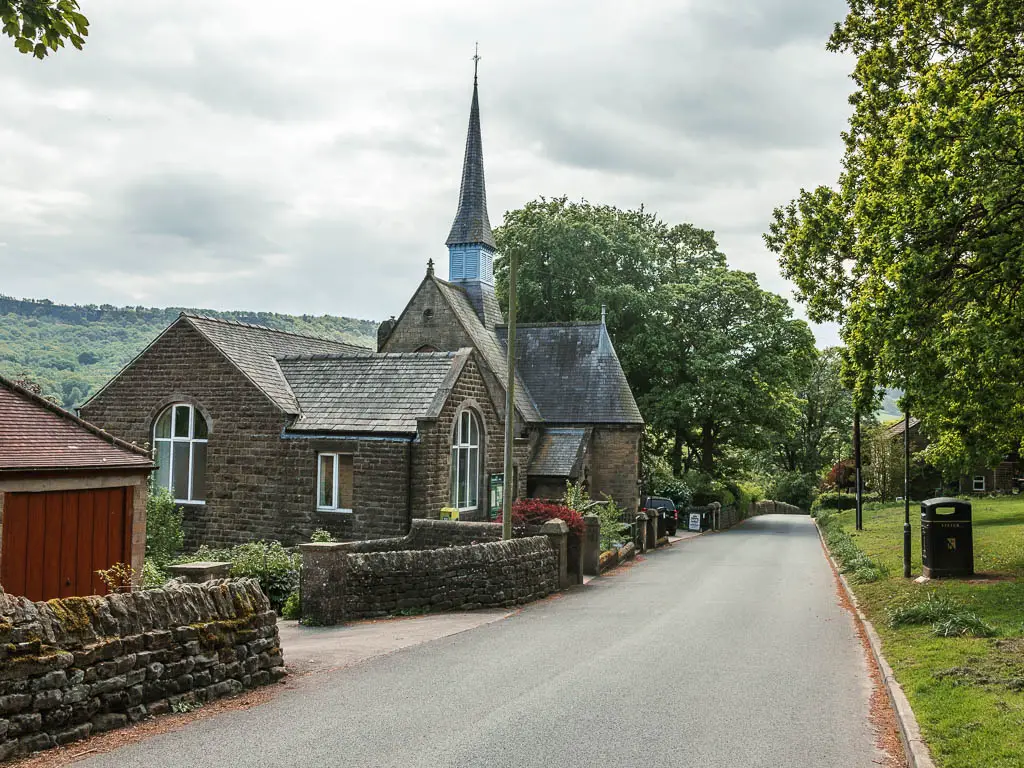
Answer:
x=35 y=434
x=386 y=393
x=254 y=348
x=573 y=374
x=896 y=428
x=559 y=452
x=487 y=346
x=471 y=224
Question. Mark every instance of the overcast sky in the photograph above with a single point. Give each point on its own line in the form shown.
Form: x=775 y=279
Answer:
x=305 y=158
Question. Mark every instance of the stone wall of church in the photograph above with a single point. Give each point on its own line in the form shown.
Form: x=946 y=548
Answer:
x=614 y=465
x=432 y=452
x=427 y=321
x=259 y=485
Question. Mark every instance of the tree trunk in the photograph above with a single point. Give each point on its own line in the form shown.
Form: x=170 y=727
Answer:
x=677 y=453
x=707 y=449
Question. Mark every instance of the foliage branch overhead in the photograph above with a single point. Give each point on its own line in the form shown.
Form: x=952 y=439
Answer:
x=918 y=251
x=40 y=26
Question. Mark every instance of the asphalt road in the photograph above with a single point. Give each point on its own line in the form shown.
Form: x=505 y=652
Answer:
x=728 y=650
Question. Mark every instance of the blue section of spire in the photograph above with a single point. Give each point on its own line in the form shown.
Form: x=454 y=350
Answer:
x=471 y=262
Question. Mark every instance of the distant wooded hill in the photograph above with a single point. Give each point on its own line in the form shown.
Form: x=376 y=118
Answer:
x=71 y=351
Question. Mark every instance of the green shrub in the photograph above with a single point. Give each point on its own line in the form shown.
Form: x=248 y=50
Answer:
x=795 y=488
x=576 y=497
x=613 y=531
x=164 y=534
x=153 y=576
x=320 y=536
x=292 y=609
x=840 y=501
x=276 y=569
x=659 y=481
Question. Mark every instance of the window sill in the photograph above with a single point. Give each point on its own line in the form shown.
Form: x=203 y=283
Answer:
x=334 y=509
x=190 y=503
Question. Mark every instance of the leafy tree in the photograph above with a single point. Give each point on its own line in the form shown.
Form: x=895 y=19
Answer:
x=576 y=257
x=710 y=356
x=918 y=251
x=823 y=424
x=41 y=26
x=726 y=356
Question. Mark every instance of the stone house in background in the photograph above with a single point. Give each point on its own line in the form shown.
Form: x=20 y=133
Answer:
x=927 y=482
x=260 y=433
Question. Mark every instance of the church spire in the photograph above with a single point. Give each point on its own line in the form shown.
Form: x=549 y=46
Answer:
x=471 y=225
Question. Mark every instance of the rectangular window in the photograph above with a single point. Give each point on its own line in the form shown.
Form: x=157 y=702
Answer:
x=979 y=482
x=334 y=482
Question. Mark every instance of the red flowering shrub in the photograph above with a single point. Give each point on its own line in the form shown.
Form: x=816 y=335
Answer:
x=538 y=512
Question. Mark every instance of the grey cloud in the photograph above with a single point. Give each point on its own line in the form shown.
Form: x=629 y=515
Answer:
x=765 y=23
x=201 y=210
x=198 y=153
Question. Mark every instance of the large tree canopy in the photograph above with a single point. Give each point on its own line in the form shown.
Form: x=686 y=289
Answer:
x=711 y=357
x=919 y=250
x=820 y=433
x=727 y=357
x=41 y=26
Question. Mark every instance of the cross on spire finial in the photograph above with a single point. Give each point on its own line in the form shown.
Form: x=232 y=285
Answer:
x=476 y=62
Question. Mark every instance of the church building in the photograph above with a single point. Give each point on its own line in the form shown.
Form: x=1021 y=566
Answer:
x=258 y=433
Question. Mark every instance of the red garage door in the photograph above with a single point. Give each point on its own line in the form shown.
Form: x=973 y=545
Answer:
x=54 y=542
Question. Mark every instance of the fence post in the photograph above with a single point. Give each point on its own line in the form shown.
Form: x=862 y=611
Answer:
x=641 y=532
x=322 y=583
x=652 y=530
x=592 y=545
x=558 y=534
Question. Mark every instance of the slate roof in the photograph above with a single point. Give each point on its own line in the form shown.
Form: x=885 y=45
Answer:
x=35 y=434
x=559 y=452
x=253 y=349
x=573 y=373
x=487 y=345
x=471 y=224
x=896 y=428
x=369 y=394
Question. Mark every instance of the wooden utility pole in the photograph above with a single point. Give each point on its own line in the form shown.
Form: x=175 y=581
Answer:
x=510 y=399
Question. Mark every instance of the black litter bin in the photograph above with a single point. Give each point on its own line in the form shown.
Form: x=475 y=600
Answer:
x=947 y=538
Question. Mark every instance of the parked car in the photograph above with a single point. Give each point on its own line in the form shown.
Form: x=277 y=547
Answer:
x=668 y=516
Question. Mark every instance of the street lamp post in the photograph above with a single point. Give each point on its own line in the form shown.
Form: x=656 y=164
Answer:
x=510 y=402
x=859 y=514
x=906 y=494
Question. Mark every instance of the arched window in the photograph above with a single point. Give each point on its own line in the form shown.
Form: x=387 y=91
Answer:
x=179 y=437
x=465 y=479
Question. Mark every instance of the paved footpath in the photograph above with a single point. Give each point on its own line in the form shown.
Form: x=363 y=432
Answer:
x=727 y=651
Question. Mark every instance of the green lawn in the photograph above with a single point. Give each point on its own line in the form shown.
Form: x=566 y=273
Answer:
x=967 y=692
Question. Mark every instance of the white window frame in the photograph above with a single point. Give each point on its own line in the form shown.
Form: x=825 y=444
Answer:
x=459 y=444
x=333 y=506
x=980 y=478
x=191 y=440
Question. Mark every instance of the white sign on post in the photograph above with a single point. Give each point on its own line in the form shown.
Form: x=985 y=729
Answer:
x=694 y=521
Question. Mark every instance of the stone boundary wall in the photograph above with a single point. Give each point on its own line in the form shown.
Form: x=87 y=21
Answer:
x=429 y=534
x=727 y=517
x=774 y=508
x=81 y=665
x=339 y=585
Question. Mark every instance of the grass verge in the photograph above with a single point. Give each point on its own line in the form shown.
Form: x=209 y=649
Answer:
x=956 y=647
